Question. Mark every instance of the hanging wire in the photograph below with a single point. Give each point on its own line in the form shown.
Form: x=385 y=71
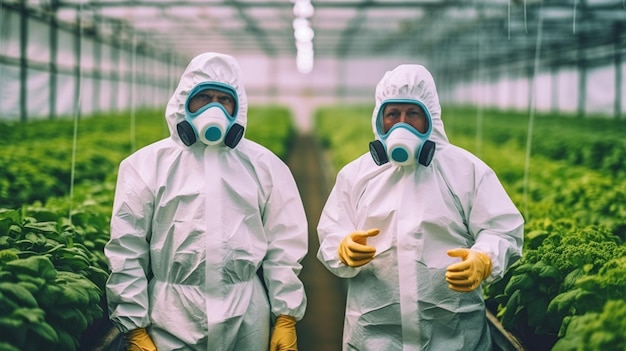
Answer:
x=170 y=85
x=509 y=18
x=2 y=21
x=531 y=118
x=132 y=92
x=478 y=97
x=525 y=19
x=77 y=107
x=479 y=100
x=574 y=18
x=1 y=26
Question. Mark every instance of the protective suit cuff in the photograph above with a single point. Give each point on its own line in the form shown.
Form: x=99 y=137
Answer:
x=496 y=269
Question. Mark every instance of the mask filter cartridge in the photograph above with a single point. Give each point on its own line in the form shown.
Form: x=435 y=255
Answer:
x=402 y=146
x=211 y=125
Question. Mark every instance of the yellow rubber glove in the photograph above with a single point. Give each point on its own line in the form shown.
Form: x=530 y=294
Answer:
x=139 y=340
x=468 y=274
x=284 y=335
x=353 y=249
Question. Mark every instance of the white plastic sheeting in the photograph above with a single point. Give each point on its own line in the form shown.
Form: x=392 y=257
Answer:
x=558 y=91
x=109 y=76
x=114 y=76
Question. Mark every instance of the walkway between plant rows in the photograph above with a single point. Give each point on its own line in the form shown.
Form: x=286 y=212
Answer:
x=322 y=325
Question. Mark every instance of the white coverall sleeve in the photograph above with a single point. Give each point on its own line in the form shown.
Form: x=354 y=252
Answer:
x=128 y=251
x=335 y=223
x=497 y=225
x=287 y=235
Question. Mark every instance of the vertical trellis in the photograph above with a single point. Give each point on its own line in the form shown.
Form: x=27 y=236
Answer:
x=97 y=72
x=77 y=96
x=23 y=62
x=618 y=56
x=479 y=93
x=531 y=118
x=54 y=46
x=132 y=94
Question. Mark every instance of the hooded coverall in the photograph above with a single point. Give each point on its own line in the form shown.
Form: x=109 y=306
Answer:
x=191 y=227
x=401 y=300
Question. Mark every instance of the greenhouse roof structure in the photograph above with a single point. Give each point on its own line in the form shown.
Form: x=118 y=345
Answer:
x=495 y=31
x=494 y=52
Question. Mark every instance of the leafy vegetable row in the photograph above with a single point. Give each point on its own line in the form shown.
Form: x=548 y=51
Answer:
x=36 y=158
x=574 y=259
x=594 y=142
x=52 y=282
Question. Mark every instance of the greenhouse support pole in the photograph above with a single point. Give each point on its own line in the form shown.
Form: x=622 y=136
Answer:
x=554 y=98
x=342 y=89
x=582 y=78
x=54 y=44
x=479 y=93
x=77 y=69
x=532 y=102
x=77 y=106
x=171 y=86
x=618 y=71
x=97 y=73
x=133 y=81
x=23 y=63
x=115 y=75
x=273 y=84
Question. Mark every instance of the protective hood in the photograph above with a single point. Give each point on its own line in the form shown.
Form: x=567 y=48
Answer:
x=411 y=82
x=207 y=67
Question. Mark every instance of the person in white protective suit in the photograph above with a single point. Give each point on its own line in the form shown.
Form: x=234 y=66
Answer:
x=195 y=216
x=415 y=226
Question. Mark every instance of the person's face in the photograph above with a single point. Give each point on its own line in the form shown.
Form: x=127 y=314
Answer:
x=408 y=113
x=208 y=96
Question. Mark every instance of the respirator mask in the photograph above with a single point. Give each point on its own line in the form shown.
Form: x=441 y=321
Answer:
x=402 y=144
x=211 y=123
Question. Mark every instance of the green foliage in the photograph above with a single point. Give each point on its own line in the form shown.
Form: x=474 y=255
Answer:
x=344 y=131
x=596 y=143
x=36 y=158
x=596 y=331
x=38 y=304
x=52 y=282
x=272 y=127
x=545 y=286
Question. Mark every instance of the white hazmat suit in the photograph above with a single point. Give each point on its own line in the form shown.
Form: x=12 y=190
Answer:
x=401 y=300
x=192 y=225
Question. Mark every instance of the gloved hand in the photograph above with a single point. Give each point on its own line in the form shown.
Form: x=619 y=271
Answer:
x=468 y=274
x=139 y=340
x=353 y=250
x=284 y=335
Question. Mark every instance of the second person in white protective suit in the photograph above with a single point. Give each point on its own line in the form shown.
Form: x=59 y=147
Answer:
x=415 y=226
x=195 y=216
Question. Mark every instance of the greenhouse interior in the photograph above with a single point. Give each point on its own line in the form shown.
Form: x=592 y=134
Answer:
x=533 y=89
